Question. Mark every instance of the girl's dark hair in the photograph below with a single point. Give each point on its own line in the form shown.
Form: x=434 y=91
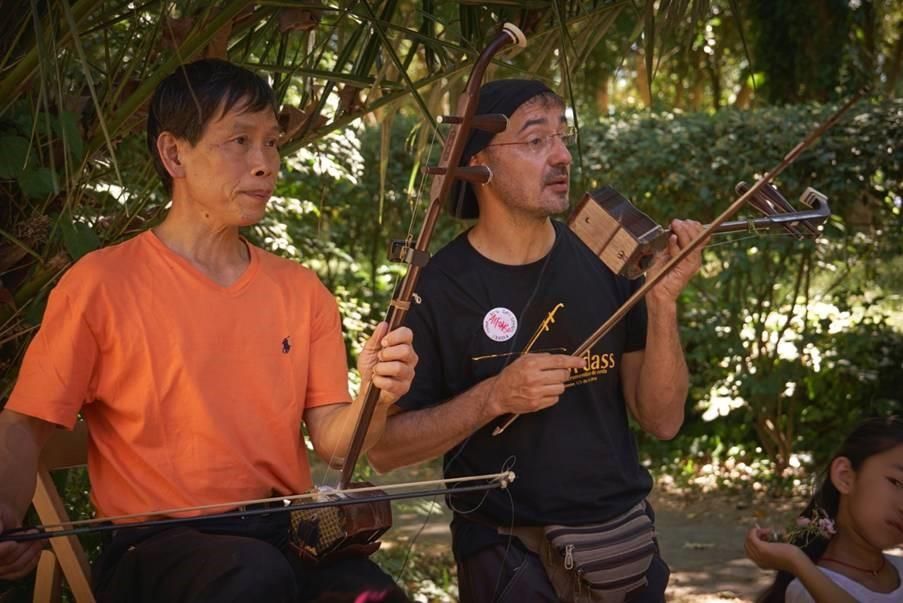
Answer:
x=187 y=99
x=871 y=437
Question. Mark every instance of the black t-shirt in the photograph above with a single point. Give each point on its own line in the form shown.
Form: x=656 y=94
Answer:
x=576 y=462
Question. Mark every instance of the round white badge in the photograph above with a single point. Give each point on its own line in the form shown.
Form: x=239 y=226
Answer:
x=500 y=324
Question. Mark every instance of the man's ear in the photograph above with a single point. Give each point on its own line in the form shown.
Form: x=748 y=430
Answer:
x=170 y=148
x=479 y=158
x=842 y=474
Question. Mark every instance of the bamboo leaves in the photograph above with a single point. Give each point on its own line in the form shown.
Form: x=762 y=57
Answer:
x=78 y=238
x=13 y=155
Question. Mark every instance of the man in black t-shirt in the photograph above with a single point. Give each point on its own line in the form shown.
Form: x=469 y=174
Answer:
x=520 y=282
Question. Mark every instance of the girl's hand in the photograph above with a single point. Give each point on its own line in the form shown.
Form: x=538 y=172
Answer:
x=774 y=555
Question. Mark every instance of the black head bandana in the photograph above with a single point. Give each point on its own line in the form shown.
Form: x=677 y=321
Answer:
x=499 y=96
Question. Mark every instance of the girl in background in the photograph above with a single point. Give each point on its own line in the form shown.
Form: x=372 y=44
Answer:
x=858 y=510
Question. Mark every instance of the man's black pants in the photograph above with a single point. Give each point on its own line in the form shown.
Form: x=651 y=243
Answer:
x=238 y=559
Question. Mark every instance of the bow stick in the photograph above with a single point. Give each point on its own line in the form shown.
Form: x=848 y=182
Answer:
x=444 y=176
x=747 y=194
x=349 y=497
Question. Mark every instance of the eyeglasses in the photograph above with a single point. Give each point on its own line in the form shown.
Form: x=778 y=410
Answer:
x=541 y=144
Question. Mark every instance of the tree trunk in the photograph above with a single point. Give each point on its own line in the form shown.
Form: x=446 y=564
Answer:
x=602 y=96
x=711 y=65
x=744 y=95
x=642 y=80
x=893 y=70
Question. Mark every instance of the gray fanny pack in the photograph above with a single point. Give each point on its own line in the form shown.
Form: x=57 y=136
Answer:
x=599 y=562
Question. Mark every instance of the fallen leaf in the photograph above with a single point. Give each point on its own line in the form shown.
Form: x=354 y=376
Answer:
x=350 y=99
x=176 y=31
x=218 y=46
x=290 y=120
x=293 y=120
x=699 y=546
x=298 y=19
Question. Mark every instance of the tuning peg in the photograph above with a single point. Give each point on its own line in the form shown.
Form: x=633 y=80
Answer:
x=478 y=174
x=811 y=197
x=772 y=193
x=489 y=122
x=770 y=202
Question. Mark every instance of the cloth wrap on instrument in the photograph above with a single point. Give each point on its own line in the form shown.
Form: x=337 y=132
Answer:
x=336 y=532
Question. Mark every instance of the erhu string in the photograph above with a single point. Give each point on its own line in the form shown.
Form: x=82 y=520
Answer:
x=410 y=548
x=416 y=205
x=418 y=198
x=507 y=466
x=731 y=241
x=329 y=470
x=240 y=508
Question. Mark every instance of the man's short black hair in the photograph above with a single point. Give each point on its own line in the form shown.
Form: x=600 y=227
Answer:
x=186 y=100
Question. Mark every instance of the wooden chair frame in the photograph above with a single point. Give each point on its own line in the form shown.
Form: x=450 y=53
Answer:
x=64 y=450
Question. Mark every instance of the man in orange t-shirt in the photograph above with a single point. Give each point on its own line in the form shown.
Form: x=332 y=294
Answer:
x=194 y=356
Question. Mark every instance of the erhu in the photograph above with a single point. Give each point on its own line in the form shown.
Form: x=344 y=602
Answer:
x=626 y=239
x=358 y=526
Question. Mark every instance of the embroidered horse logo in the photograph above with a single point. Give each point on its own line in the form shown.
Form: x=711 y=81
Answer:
x=286 y=345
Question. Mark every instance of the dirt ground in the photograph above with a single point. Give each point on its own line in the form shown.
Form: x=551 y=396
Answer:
x=702 y=540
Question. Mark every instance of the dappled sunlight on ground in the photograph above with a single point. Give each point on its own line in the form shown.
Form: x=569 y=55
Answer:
x=702 y=540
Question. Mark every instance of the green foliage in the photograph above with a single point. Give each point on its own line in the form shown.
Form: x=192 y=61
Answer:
x=709 y=463
x=790 y=341
x=743 y=53
x=13 y=156
x=78 y=238
x=786 y=44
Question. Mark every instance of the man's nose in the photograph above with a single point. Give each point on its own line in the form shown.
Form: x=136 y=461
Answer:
x=263 y=161
x=560 y=154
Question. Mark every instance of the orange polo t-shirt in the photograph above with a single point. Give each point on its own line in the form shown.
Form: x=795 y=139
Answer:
x=193 y=392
